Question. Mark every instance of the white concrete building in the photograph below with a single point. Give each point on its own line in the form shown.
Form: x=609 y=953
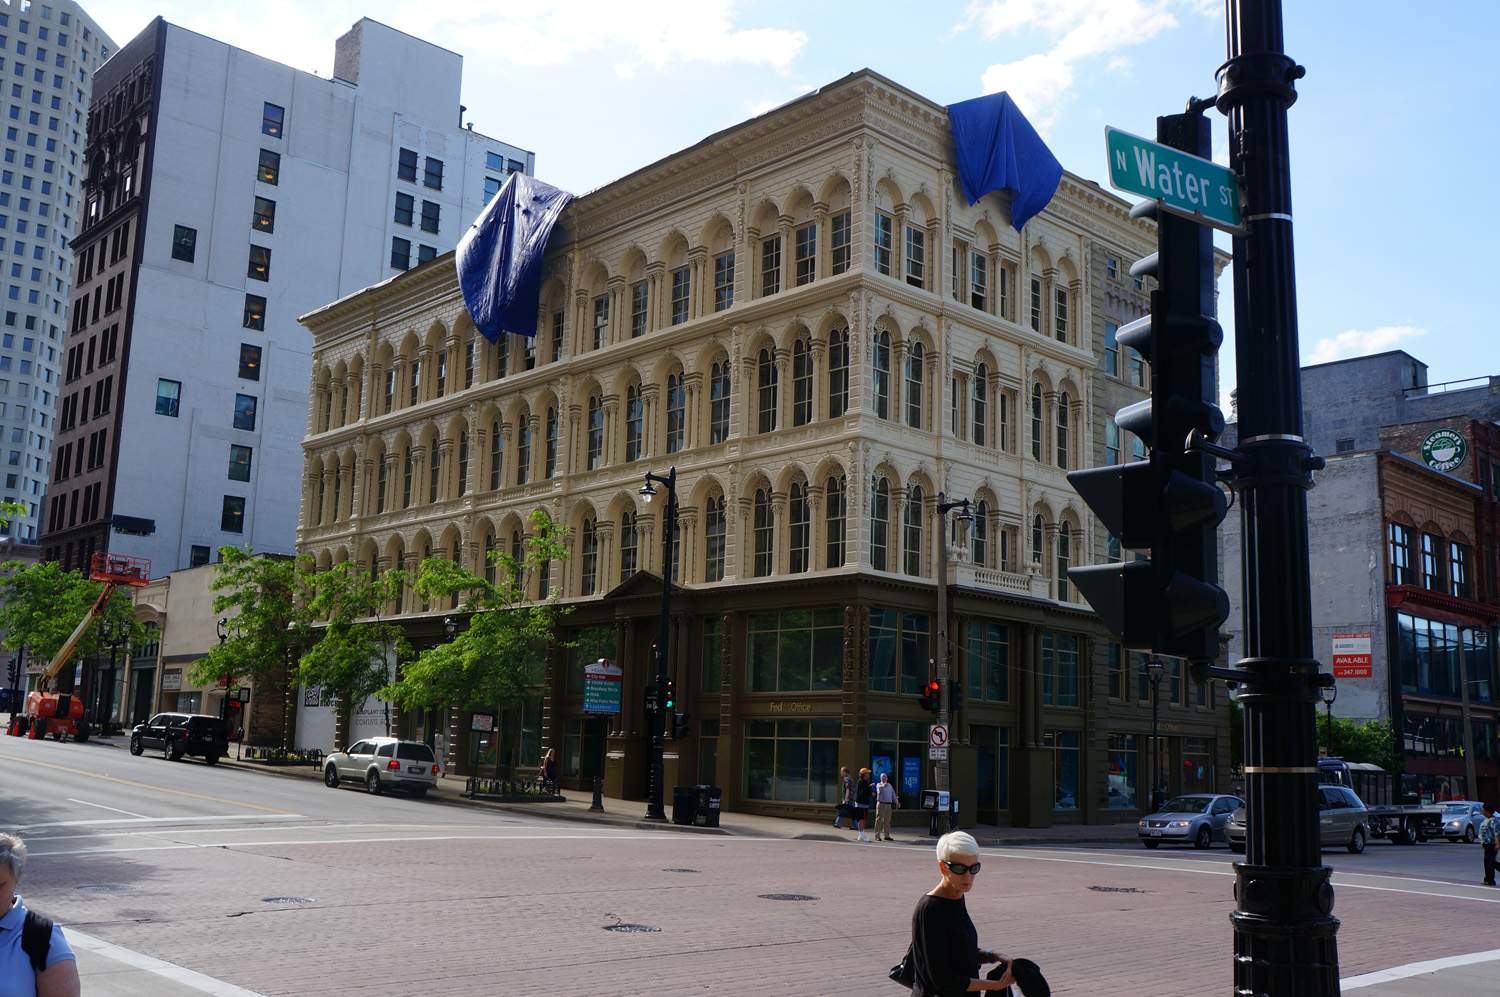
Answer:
x=48 y=54
x=227 y=195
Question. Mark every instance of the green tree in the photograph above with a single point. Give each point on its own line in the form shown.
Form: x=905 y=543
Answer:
x=265 y=601
x=349 y=659
x=41 y=605
x=499 y=657
x=1371 y=741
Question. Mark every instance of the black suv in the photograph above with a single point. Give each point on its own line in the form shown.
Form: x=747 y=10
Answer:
x=178 y=734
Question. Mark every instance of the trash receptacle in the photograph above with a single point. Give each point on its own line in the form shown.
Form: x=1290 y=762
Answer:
x=684 y=804
x=708 y=799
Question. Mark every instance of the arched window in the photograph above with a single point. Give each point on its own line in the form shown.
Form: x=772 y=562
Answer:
x=434 y=470
x=1037 y=529
x=1062 y=430
x=518 y=556
x=835 y=504
x=1064 y=557
x=588 y=557
x=380 y=483
x=596 y=433
x=718 y=403
x=490 y=549
x=408 y=471
x=502 y=355
x=471 y=360
x=713 y=548
x=880 y=522
x=390 y=391
x=414 y=382
x=676 y=406
x=880 y=369
x=497 y=456
x=764 y=534
x=523 y=449
x=635 y=414
x=550 y=453
x=441 y=383
x=799 y=524
x=676 y=550
x=915 y=357
x=629 y=545
x=338 y=481
x=463 y=462
x=838 y=373
x=1036 y=422
x=765 y=383
x=979 y=404
x=322 y=498
x=1060 y=312
x=802 y=383
x=979 y=534
x=911 y=540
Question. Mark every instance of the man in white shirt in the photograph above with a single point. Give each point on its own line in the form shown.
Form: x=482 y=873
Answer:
x=886 y=800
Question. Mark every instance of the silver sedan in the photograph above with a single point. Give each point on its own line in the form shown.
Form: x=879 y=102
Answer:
x=1193 y=818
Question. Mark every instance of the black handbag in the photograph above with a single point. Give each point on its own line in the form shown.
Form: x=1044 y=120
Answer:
x=902 y=972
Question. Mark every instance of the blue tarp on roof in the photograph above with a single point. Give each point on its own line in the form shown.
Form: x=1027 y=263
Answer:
x=500 y=258
x=997 y=149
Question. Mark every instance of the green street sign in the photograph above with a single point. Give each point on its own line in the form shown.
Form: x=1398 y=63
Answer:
x=1186 y=185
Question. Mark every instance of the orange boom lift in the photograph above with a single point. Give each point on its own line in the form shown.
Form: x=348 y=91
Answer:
x=61 y=714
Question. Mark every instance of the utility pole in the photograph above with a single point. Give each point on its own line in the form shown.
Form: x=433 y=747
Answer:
x=945 y=667
x=1285 y=935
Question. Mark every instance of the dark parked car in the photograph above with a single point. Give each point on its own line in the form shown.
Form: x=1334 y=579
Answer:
x=178 y=734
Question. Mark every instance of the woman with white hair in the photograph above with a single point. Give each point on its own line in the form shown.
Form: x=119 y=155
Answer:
x=35 y=960
x=945 y=953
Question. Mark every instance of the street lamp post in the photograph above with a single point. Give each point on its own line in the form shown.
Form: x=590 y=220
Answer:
x=944 y=667
x=658 y=717
x=1154 y=668
x=114 y=635
x=223 y=628
x=1329 y=694
x=450 y=739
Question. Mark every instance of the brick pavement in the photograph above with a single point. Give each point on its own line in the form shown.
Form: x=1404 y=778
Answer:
x=526 y=916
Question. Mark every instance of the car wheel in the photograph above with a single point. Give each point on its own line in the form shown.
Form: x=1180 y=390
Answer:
x=174 y=751
x=418 y=792
x=166 y=749
x=1151 y=844
x=1237 y=848
x=1468 y=835
x=1357 y=841
x=1203 y=840
x=210 y=759
x=372 y=783
x=331 y=777
x=136 y=747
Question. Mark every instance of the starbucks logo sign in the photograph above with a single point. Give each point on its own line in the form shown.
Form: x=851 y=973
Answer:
x=1444 y=450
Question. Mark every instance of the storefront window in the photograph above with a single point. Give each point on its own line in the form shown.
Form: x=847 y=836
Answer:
x=899 y=748
x=1115 y=671
x=899 y=657
x=1480 y=663
x=1059 y=669
x=1124 y=762
x=583 y=747
x=992 y=762
x=708 y=750
x=798 y=650
x=1484 y=738
x=1064 y=745
x=794 y=761
x=987 y=661
x=1432 y=736
x=1197 y=765
x=713 y=654
x=1429 y=655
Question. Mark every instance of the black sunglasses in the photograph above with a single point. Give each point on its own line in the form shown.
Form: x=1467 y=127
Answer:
x=958 y=868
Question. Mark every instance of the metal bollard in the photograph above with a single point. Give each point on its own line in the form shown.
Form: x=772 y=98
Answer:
x=598 y=804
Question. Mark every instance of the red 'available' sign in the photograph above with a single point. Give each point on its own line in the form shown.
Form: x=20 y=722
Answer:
x=1351 y=656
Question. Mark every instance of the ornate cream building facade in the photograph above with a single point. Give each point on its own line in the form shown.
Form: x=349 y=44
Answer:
x=803 y=317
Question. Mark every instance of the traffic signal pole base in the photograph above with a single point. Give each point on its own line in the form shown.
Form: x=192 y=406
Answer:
x=1284 y=933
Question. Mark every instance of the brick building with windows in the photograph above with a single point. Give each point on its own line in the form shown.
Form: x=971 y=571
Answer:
x=225 y=195
x=803 y=317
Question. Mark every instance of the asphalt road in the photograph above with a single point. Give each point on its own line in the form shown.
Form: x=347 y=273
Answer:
x=282 y=886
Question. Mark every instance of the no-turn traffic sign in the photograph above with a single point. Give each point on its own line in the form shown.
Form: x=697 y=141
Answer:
x=937 y=736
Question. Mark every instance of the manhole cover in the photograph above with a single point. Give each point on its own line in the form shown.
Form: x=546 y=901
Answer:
x=103 y=887
x=682 y=870
x=632 y=929
x=786 y=896
x=1115 y=889
x=288 y=900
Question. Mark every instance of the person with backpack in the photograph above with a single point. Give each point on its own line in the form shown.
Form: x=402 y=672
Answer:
x=35 y=958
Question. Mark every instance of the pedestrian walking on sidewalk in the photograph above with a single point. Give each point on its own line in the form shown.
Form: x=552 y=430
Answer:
x=549 y=771
x=1489 y=839
x=945 y=955
x=861 y=803
x=886 y=800
x=34 y=955
x=846 y=798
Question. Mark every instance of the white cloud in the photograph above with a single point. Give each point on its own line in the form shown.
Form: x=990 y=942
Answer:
x=1361 y=342
x=1078 y=30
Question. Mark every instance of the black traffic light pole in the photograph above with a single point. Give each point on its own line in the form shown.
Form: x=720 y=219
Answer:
x=655 y=810
x=1285 y=937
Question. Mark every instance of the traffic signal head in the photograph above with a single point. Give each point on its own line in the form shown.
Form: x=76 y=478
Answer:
x=1170 y=504
x=679 y=726
x=932 y=694
x=652 y=701
x=671 y=702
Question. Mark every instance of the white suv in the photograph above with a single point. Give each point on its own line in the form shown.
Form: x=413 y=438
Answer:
x=383 y=763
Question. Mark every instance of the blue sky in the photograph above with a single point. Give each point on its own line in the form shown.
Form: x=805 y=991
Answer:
x=1393 y=138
